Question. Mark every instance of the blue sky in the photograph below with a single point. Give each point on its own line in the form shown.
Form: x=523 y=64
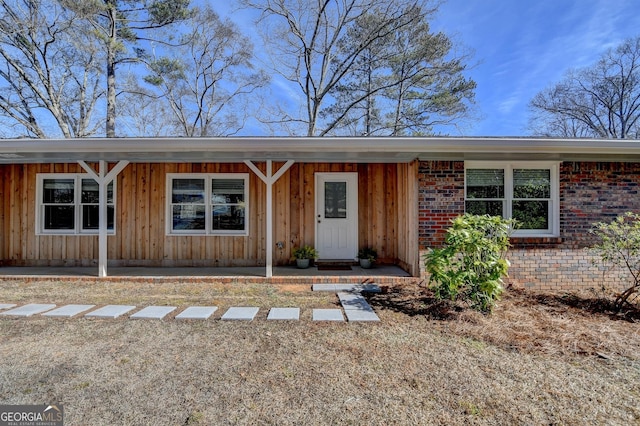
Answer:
x=523 y=46
x=519 y=47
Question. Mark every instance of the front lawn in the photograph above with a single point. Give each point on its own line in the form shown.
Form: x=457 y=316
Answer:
x=539 y=359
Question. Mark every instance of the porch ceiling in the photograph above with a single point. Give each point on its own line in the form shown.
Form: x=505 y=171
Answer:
x=335 y=150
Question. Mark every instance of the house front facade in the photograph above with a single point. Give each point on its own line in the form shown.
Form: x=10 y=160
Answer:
x=249 y=201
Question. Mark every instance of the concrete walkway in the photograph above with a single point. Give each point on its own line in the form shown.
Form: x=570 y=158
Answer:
x=355 y=307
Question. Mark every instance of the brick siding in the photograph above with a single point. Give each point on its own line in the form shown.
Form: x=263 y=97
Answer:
x=440 y=199
x=590 y=192
x=595 y=192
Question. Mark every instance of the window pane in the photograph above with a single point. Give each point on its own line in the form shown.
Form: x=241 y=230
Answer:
x=58 y=191
x=228 y=218
x=59 y=217
x=530 y=183
x=492 y=208
x=188 y=217
x=531 y=214
x=485 y=183
x=227 y=191
x=90 y=219
x=90 y=192
x=187 y=191
x=335 y=200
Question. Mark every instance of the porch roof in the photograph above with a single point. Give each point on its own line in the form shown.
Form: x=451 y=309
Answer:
x=313 y=149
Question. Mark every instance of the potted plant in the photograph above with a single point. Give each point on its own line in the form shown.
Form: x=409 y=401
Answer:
x=303 y=256
x=367 y=256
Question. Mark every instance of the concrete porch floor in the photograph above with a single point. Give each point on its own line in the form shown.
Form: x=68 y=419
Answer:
x=381 y=274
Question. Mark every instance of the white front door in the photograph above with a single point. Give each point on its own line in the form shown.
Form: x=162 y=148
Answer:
x=337 y=215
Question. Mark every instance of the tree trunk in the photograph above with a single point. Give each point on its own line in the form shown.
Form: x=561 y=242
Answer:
x=369 y=98
x=111 y=73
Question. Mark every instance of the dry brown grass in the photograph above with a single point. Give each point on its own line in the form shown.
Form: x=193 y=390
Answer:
x=531 y=362
x=554 y=324
x=180 y=294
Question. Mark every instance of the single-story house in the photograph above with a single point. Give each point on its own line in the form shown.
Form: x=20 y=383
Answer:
x=249 y=201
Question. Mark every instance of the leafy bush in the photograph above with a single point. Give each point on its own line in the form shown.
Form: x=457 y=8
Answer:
x=305 y=252
x=619 y=246
x=368 y=253
x=472 y=262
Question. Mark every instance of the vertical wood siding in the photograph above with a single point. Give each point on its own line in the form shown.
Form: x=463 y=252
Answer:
x=387 y=217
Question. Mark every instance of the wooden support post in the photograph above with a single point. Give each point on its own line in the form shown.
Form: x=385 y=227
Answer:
x=269 y=179
x=103 y=177
x=269 y=243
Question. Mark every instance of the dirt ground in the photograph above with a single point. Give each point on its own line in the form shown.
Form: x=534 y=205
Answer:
x=538 y=359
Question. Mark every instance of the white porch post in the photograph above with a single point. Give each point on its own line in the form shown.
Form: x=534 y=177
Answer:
x=102 y=223
x=269 y=179
x=103 y=178
x=269 y=261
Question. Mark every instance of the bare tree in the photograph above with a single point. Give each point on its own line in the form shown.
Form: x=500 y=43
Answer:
x=121 y=25
x=600 y=101
x=549 y=124
x=209 y=82
x=143 y=114
x=307 y=38
x=49 y=82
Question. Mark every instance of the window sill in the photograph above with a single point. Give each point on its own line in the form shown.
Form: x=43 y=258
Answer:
x=204 y=234
x=72 y=234
x=525 y=241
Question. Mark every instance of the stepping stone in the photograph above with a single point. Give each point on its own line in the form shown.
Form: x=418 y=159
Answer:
x=240 y=313
x=30 y=309
x=7 y=305
x=110 y=311
x=355 y=315
x=284 y=314
x=68 y=311
x=371 y=288
x=349 y=287
x=359 y=288
x=154 y=312
x=324 y=287
x=353 y=301
x=327 y=315
x=197 y=312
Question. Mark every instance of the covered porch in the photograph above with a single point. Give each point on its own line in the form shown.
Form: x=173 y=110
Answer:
x=280 y=180
x=380 y=274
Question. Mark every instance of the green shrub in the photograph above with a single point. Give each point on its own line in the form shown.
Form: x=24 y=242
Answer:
x=305 y=252
x=472 y=263
x=368 y=253
x=619 y=247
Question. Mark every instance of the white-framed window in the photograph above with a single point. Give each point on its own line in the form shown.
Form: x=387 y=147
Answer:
x=208 y=203
x=68 y=203
x=525 y=191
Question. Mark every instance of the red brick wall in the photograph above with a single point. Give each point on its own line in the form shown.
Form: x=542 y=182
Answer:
x=440 y=199
x=595 y=192
x=589 y=192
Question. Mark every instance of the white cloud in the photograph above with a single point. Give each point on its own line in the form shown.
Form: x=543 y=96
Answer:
x=524 y=47
x=506 y=105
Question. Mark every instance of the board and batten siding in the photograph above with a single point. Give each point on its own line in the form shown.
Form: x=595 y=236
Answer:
x=387 y=217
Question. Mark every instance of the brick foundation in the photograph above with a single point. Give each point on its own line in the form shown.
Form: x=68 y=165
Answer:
x=557 y=270
x=561 y=269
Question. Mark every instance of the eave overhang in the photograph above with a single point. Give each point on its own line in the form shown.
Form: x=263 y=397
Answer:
x=302 y=149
